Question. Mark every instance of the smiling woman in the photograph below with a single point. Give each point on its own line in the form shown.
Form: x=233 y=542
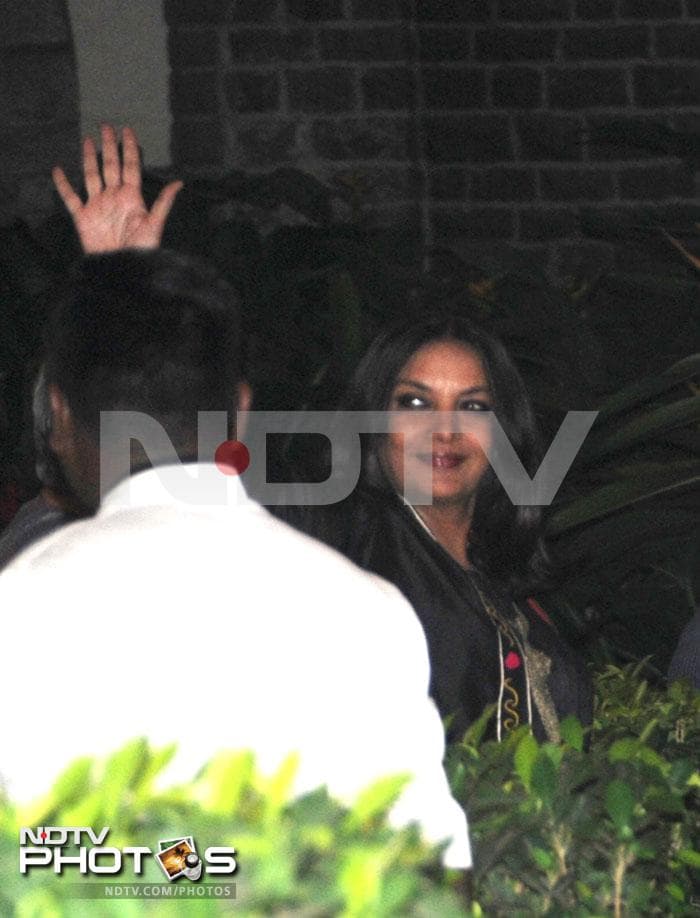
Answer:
x=446 y=466
x=466 y=557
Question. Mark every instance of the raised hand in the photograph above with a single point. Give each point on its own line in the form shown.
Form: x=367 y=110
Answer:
x=115 y=215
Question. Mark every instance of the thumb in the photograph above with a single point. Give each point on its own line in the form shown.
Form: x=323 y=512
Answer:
x=164 y=203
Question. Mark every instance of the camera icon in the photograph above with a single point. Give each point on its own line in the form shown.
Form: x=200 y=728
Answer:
x=193 y=866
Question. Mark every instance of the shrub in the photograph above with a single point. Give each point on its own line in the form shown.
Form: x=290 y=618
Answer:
x=562 y=831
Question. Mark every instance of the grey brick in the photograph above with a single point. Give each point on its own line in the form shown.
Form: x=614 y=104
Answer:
x=594 y=9
x=576 y=185
x=194 y=92
x=473 y=222
x=666 y=86
x=441 y=45
x=389 y=185
x=448 y=184
x=384 y=43
x=361 y=138
x=467 y=138
x=516 y=87
x=503 y=183
x=266 y=142
x=315 y=10
x=650 y=9
x=678 y=41
x=539 y=224
x=40 y=22
x=388 y=88
x=265 y=46
x=253 y=10
x=21 y=153
x=194 y=48
x=454 y=88
x=606 y=41
x=326 y=89
x=586 y=87
x=198 y=143
x=516 y=44
x=453 y=10
x=653 y=182
x=38 y=85
x=622 y=136
x=377 y=10
x=538 y=11
x=181 y=11
x=550 y=137
x=253 y=91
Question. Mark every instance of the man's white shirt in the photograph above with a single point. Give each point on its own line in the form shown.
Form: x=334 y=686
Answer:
x=218 y=627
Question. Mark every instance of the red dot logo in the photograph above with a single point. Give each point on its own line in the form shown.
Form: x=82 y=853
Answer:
x=232 y=457
x=512 y=660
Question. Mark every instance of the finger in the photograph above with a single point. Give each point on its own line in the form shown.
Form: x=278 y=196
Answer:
x=65 y=190
x=131 y=158
x=163 y=205
x=91 y=174
x=110 y=157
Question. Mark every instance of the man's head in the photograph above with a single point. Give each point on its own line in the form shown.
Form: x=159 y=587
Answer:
x=151 y=332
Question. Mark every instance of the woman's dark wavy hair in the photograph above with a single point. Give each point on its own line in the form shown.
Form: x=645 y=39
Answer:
x=505 y=540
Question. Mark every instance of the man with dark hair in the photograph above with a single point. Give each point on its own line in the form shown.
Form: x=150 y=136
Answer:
x=182 y=610
x=149 y=329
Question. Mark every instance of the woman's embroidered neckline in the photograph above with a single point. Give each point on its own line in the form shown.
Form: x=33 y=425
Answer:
x=512 y=660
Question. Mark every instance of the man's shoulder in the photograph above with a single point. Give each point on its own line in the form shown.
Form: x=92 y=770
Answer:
x=245 y=536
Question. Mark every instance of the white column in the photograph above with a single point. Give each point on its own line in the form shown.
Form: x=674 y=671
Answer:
x=122 y=64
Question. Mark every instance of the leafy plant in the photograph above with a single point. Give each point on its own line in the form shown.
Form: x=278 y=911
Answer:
x=305 y=857
x=624 y=528
x=613 y=830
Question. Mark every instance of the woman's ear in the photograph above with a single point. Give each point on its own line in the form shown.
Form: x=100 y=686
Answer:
x=244 y=400
x=62 y=433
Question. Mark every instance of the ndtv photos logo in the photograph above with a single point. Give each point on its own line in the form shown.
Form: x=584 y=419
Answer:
x=80 y=848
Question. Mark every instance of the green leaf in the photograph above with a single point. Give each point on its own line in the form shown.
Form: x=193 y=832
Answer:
x=544 y=778
x=572 y=732
x=623 y=750
x=120 y=773
x=73 y=783
x=643 y=427
x=278 y=789
x=525 y=757
x=639 y=392
x=690 y=857
x=224 y=780
x=619 y=803
x=375 y=800
x=676 y=892
x=624 y=493
x=543 y=859
x=361 y=878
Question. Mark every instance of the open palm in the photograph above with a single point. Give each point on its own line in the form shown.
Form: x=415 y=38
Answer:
x=115 y=215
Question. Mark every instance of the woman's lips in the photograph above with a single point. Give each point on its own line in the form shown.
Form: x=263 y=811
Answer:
x=443 y=460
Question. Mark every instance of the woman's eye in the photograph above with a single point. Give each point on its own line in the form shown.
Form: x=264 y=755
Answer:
x=474 y=404
x=407 y=400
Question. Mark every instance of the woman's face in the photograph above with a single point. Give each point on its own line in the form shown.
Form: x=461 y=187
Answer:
x=447 y=466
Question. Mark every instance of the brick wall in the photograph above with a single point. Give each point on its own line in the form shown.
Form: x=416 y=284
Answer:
x=495 y=125
x=39 y=118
